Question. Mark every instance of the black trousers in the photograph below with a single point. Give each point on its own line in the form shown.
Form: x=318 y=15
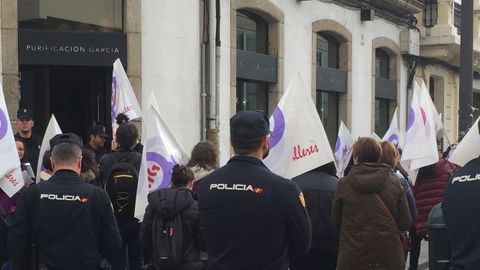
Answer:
x=414 y=249
x=320 y=263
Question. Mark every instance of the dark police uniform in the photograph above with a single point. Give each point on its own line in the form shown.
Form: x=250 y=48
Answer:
x=461 y=209
x=70 y=221
x=253 y=219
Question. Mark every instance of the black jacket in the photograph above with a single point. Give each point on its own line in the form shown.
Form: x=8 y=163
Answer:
x=168 y=203
x=318 y=188
x=71 y=222
x=461 y=210
x=252 y=218
x=120 y=154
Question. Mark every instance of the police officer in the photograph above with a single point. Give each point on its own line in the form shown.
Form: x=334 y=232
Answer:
x=253 y=218
x=31 y=141
x=461 y=210
x=96 y=141
x=63 y=223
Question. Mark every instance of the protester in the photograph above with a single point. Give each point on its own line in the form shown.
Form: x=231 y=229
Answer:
x=461 y=211
x=371 y=209
x=123 y=119
x=390 y=156
x=166 y=204
x=47 y=171
x=21 y=150
x=252 y=218
x=96 y=141
x=203 y=160
x=318 y=187
x=89 y=166
x=428 y=190
x=118 y=174
x=31 y=141
x=63 y=223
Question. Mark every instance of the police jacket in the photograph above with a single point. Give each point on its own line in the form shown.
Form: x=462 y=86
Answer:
x=461 y=210
x=318 y=188
x=70 y=221
x=252 y=218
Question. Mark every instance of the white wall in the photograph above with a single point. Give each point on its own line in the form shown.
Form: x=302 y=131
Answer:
x=171 y=64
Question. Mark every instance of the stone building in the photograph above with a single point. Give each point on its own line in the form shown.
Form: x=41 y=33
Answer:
x=206 y=61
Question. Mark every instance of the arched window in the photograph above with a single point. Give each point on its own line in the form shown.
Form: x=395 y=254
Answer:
x=385 y=91
x=327 y=96
x=252 y=50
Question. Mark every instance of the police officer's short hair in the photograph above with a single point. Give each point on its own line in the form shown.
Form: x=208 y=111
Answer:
x=66 y=153
x=244 y=147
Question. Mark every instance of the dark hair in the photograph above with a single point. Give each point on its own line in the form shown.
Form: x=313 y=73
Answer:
x=367 y=149
x=46 y=162
x=24 y=159
x=242 y=146
x=204 y=155
x=88 y=161
x=329 y=168
x=181 y=176
x=127 y=135
x=389 y=154
x=121 y=119
x=66 y=153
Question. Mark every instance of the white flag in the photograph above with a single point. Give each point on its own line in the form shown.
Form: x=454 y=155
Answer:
x=375 y=136
x=299 y=142
x=435 y=117
x=420 y=147
x=52 y=129
x=468 y=148
x=123 y=98
x=160 y=153
x=343 y=149
x=11 y=178
x=392 y=134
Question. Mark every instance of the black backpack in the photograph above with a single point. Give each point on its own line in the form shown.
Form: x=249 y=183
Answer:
x=121 y=183
x=167 y=236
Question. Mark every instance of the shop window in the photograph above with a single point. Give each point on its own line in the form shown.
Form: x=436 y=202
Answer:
x=71 y=15
x=252 y=36
x=430 y=13
x=327 y=107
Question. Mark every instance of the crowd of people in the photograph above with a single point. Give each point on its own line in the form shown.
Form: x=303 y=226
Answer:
x=80 y=214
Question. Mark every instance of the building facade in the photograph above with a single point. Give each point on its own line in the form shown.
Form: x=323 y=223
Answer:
x=438 y=64
x=207 y=59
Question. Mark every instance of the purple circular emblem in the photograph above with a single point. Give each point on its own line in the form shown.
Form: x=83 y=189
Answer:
x=337 y=144
x=393 y=139
x=279 y=129
x=165 y=166
x=3 y=124
x=114 y=98
x=411 y=118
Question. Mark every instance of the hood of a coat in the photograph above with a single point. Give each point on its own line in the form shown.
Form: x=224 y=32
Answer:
x=169 y=202
x=369 y=177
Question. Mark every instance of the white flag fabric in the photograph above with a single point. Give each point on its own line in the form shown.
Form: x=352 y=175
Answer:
x=420 y=148
x=392 y=134
x=11 y=178
x=123 y=98
x=161 y=152
x=435 y=117
x=343 y=149
x=375 y=136
x=52 y=129
x=468 y=148
x=299 y=142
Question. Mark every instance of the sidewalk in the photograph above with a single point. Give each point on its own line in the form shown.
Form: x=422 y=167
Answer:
x=423 y=260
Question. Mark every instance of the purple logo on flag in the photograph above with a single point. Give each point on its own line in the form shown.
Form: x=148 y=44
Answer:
x=337 y=144
x=157 y=164
x=114 y=98
x=3 y=124
x=393 y=139
x=411 y=118
x=279 y=129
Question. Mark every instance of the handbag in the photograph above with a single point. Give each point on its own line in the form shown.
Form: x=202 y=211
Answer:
x=404 y=238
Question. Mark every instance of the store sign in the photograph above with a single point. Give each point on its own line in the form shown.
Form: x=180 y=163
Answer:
x=71 y=48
